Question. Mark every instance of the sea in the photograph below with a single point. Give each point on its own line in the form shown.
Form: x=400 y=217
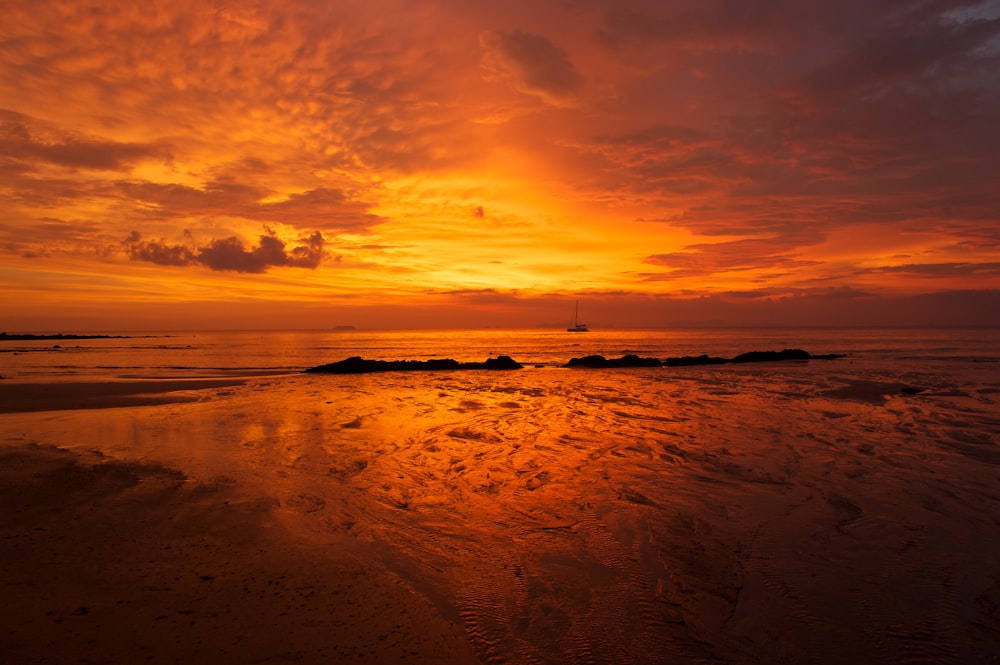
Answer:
x=820 y=511
x=174 y=354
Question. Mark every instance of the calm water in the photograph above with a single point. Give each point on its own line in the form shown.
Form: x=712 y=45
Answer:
x=172 y=354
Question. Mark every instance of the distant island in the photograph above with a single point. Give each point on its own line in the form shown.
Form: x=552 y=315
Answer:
x=21 y=337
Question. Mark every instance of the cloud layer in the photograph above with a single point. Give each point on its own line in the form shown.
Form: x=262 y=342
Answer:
x=403 y=150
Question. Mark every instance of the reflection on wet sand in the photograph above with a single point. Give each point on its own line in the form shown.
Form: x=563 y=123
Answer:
x=767 y=514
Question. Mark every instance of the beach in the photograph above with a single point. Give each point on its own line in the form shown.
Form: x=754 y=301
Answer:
x=820 y=511
x=123 y=562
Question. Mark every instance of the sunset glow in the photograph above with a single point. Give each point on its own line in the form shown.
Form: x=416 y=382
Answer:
x=295 y=163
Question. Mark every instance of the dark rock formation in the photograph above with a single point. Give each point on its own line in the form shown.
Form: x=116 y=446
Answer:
x=500 y=362
x=749 y=357
x=771 y=356
x=703 y=359
x=359 y=365
x=600 y=362
x=21 y=337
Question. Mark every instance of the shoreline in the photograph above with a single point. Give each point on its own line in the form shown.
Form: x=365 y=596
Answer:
x=28 y=397
x=24 y=397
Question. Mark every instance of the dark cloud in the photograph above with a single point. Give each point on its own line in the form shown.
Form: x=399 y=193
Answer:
x=229 y=254
x=909 y=46
x=25 y=140
x=884 y=115
x=531 y=64
x=822 y=113
x=158 y=251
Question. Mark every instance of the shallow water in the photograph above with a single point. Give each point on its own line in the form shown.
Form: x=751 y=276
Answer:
x=185 y=354
x=781 y=512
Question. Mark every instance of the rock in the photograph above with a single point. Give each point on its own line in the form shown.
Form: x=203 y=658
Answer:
x=501 y=362
x=588 y=361
x=703 y=359
x=771 y=356
x=600 y=362
x=749 y=357
x=28 y=337
x=359 y=365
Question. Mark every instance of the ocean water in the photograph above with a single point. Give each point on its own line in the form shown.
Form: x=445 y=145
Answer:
x=178 y=354
x=776 y=512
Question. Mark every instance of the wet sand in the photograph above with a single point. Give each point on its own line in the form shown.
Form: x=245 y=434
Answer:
x=800 y=513
x=20 y=397
x=119 y=562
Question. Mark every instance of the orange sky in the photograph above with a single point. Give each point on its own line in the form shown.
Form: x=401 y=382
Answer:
x=426 y=163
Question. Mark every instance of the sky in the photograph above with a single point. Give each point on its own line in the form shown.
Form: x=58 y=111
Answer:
x=205 y=164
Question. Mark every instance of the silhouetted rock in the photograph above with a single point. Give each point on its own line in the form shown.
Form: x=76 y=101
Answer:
x=749 y=357
x=600 y=362
x=588 y=361
x=20 y=337
x=771 y=356
x=359 y=365
x=703 y=359
x=501 y=362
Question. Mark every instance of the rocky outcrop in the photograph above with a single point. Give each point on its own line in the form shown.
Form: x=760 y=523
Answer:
x=22 y=337
x=703 y=359
x=359 y=365
x=771 y=356
x=600 y=362
x=749 y=357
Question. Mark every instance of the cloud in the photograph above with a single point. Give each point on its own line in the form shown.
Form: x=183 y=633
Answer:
x=229 y=254
x=25 y=140
x=531 y=64
x=832 y=293
x=941 y=270
x=158 y=252
x=910 y=46
x=698 y=26
x=43 y=236
x=778 y=145
x=707 y=259
x=806 y=114
x=326 y=208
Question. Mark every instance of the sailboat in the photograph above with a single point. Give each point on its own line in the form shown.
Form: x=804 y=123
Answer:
x=577 y=326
